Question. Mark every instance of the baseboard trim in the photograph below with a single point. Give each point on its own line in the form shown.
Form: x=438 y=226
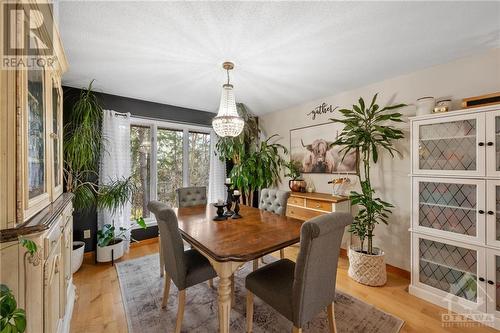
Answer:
x=391 y=269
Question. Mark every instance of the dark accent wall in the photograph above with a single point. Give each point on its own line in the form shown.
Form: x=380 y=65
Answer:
x=88 y=219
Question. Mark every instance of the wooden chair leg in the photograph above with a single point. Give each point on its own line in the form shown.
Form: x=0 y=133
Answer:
x=233 y=297
x=249 y=311
x=211 y=283
x=162 y=262
x=331 y=318
x=166 y=291
x=255 y=265
x=180 y=310
x=296 y=330
x=282 y=254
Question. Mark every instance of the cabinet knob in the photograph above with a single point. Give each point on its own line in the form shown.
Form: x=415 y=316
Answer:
x=490 y=212
x=481 y=279
x=481 y=144
x=481 y=211
x=490 y=282
x=490 y=143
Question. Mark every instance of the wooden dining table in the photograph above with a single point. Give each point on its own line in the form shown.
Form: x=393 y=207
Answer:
x=230 y=243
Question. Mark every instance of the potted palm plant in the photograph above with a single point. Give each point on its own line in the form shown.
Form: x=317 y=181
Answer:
x=368 y=130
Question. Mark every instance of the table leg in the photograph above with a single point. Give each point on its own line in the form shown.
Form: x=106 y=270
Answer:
x=225 y=271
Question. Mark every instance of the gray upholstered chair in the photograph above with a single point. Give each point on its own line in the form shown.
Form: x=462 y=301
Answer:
x=191 y=196
x=185 y=197
x=300 y=291
x=185 y=268
x=274 y=201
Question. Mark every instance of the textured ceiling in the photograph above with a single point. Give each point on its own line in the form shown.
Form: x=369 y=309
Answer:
x=285 y=53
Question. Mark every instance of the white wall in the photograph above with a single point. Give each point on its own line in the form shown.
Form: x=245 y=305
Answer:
x=475 y=75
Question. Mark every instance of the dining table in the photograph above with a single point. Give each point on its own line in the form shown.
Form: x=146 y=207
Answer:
x=230 y=243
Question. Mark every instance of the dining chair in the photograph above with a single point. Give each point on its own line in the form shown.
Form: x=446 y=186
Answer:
x=185 y=197
x=185 y=268
x=299 y=291
x=274 y=201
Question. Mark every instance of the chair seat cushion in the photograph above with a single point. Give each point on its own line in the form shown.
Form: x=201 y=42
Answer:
x=199 y=268
x=273 y=284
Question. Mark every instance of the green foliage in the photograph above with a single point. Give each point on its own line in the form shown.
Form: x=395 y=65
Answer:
x=367 y=131
x=293 y=169
x=12 y=319
x=109 y=234
x=29 y=245
x=82 y=152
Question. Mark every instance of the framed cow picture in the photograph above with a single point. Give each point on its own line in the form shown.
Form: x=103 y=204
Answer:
x=311 y=150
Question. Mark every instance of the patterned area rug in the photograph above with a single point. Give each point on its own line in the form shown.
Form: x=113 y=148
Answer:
x=142 y=290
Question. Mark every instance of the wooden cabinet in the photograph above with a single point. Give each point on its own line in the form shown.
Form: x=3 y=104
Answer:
x=32 y=203
x=305 y=206
x=455 y=207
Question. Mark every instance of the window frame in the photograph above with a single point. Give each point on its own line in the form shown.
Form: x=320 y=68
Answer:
x=154 y=125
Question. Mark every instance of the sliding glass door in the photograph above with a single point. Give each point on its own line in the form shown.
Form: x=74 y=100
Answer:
x=165 y=157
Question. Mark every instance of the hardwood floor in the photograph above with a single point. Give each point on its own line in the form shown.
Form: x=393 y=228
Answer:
x=99 y=306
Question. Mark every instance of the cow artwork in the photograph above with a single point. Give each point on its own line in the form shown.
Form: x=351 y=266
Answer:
x=311 y=148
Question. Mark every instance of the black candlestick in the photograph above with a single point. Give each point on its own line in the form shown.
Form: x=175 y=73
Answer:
x=236 y=207
x=220 y=212
x=229 y=200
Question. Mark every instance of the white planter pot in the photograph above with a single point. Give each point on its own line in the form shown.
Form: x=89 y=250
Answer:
x=367 y=269
x=77 y=256
x=425 y=105
x=104 y=253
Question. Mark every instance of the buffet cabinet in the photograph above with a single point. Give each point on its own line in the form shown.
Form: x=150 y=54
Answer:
x=455 y=220
x=32 y=204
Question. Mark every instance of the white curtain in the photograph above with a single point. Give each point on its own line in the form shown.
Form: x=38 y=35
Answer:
x=217 y=174
x=115 y=164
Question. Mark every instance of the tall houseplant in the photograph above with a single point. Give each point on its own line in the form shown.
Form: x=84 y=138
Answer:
x=368 y=130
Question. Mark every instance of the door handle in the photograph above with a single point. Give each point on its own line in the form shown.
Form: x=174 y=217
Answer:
x=481 y=211
x=490 y=282
x=490 y=143
x=480 y=144
x=481 y=279
x=490 y=212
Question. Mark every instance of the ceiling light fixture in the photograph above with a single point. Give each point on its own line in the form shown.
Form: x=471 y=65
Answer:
x=228 y=122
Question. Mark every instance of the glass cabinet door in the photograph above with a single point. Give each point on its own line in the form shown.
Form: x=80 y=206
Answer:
x=493 y=281
x=493 y=143
x=493 y=213
x=57 y=139
x=454 y=145
x=454 y=270
x=450 y=208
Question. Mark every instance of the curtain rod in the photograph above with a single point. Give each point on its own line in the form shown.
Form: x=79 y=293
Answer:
x=170 y=121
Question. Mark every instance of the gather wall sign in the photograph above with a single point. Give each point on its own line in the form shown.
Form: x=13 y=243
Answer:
x=322 y=109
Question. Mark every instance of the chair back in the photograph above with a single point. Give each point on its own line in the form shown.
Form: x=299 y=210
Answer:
x=171 y=242
x=316 y=267
x=273 y=201
x=191 y=196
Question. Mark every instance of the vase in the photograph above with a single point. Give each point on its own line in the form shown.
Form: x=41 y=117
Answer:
x=368 y=269
x=77 y=256
x=110 y=252
x=297 y=185
x=425 y=105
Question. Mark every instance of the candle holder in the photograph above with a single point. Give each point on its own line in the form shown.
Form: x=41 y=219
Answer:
x=236 y=214
x=229 y=200
x=220 y=212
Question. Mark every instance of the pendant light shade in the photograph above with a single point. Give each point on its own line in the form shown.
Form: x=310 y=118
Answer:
x=228 y=122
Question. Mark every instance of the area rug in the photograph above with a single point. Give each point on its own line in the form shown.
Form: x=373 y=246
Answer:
x=142 y=290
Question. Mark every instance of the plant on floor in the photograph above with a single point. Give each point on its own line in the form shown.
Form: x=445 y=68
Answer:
x=108 y=235
x=82 y=153
x=12 y=319
x=256 y=164
x=368 y=131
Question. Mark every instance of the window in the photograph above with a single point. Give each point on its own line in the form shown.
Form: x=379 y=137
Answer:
x=199 y=158
x=165 y=157
x=169 y=164
x=140 y=146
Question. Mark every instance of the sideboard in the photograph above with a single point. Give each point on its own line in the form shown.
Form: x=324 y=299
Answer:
x=304 y=206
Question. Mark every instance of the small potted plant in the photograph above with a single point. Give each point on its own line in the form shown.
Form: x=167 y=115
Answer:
x=296 y=184
x=110 y=241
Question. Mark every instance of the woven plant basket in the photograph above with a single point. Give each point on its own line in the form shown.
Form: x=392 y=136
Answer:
x=367 y=269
